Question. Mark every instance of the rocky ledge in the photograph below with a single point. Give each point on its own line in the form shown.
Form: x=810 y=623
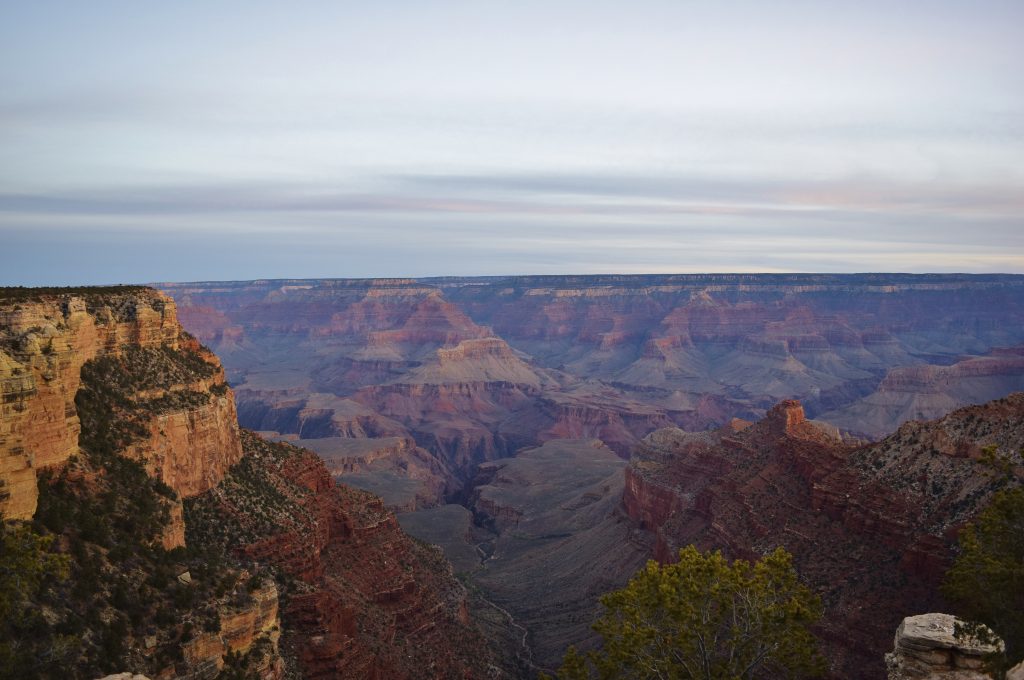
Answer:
x=928 y=647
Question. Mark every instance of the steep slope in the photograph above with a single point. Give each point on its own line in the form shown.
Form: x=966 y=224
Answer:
x=871 y=528
x=927 y=391
x=113 y=420
x=405 y=476
x=548 y=539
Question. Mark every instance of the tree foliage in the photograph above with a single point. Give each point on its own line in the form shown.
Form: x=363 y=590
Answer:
x=704 y=617
x=987 y=580
x=26 y=565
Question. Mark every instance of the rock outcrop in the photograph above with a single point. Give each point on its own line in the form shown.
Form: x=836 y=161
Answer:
x=927 y=647
x=252 y=626
x=128 y=429
x=48 y=337
x=111 y=415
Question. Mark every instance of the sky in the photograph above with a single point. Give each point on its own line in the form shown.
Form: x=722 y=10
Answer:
x=231 y=140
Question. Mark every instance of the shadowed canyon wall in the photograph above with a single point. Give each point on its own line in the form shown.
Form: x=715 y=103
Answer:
x=872 y=528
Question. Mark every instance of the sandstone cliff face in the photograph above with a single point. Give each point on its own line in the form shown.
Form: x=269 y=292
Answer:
x=47 y=339
x=871 y=528
x=252 y=628
x=111 y=415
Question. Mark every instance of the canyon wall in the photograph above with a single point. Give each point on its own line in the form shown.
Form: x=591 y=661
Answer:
x=871 y=528
x=111 y=415
x=473 y=369
x=367 y=601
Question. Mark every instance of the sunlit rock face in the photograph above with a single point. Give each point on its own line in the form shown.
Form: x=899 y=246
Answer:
x=47 y=338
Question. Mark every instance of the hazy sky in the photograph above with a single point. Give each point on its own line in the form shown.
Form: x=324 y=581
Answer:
x=233 y=140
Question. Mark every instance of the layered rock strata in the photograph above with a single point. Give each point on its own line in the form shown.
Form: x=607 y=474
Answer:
x=366 y=601
x=474 y=369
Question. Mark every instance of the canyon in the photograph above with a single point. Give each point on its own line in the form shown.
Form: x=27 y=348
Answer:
x=549 y=434
x=473 y=369
x=490 y=411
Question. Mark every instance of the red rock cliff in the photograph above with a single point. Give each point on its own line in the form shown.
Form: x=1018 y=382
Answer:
x=368 y=601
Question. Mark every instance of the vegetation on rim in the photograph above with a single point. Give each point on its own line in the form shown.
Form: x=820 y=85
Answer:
x=706 y=618
x=986 y=582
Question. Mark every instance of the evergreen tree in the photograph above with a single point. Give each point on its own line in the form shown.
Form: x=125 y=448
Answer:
x=704 y=617
x=987 y=580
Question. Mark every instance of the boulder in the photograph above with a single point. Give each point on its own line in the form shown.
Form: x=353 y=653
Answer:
x=928 y=647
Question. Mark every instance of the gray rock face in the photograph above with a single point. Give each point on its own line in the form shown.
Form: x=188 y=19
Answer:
x=927 y=648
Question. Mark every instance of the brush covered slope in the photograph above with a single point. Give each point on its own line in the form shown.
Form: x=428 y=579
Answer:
x=872 y=529
x=361 y=598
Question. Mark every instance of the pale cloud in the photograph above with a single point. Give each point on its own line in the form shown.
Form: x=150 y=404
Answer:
x=453 y=137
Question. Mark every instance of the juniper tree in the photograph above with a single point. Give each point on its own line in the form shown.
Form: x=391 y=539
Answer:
x=704 y=617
